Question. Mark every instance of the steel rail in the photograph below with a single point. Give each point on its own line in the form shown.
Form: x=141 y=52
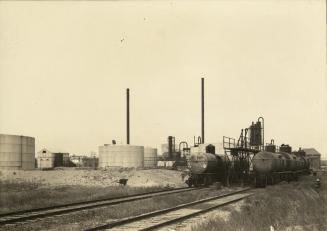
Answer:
x=159 y=212
x=19 y=216
x=181 y=218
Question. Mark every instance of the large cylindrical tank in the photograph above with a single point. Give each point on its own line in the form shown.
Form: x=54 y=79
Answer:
x=17 y=152
x=150 y=157
x=121 y=156
x=203 y=163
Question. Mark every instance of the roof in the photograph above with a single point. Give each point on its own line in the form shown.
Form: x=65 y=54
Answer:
x=311 y=151
x=44 y=149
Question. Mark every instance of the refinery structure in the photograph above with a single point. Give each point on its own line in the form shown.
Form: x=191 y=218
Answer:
x=18 y=152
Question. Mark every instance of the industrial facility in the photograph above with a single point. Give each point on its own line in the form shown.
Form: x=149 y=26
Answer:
x=17 y=152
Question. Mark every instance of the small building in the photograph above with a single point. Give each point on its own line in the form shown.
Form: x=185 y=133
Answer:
x=62 y=159
x=47 y=159
x=314 y=158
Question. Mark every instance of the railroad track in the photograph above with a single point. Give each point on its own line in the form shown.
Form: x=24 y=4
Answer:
x=164 y=217
x=28 y=215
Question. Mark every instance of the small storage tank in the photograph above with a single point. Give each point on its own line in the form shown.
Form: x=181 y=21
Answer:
x=121 y=156
x=17 y=152
x=150 y=157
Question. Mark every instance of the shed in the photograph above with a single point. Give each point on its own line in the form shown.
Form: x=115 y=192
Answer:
x=314 y=158
x=45 y=159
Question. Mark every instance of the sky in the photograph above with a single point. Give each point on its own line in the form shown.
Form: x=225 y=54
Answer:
x=65 y=67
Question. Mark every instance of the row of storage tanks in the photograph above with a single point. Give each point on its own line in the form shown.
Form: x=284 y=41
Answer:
x=18 y=152
x=127 y=156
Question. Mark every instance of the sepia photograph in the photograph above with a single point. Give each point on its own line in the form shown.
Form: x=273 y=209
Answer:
x=163 y=115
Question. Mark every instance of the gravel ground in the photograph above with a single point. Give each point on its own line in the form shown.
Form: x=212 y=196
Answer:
x=84 y=177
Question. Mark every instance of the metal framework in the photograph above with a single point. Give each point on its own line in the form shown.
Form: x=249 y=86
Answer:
x=240 y=153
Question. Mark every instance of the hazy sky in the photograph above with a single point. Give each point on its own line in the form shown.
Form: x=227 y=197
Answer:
x=64 y=68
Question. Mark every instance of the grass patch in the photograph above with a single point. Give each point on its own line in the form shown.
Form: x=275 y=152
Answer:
x=91 y=218
x=284 y=206
x=15 y=196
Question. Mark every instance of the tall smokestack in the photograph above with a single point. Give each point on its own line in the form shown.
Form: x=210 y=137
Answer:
x=127 y=115
x=202 y=110
x=170 y=147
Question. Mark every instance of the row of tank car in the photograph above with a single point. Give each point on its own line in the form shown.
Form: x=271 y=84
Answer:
x=267 y=167
x=271 y=166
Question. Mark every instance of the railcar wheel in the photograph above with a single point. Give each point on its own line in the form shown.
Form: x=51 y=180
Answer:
x=296 y=177
x=207 y=181
x=189 y=182
x=265 y=181
x=197 y=182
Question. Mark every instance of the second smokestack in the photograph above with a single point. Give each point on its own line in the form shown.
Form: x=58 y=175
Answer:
x=202 y=110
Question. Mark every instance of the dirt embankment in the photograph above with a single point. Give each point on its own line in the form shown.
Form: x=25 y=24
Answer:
x=110 y=177
x=297 y=205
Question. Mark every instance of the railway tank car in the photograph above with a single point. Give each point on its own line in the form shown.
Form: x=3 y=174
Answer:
x=267 y=167
x=270 y=166
x=205 y=167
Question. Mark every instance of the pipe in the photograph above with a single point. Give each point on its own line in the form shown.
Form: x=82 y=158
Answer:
x=127 y=114
x=202 y=110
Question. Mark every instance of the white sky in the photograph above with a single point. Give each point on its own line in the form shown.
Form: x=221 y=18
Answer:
x=64 y=71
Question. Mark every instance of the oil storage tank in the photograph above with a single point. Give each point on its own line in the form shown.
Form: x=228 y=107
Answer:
x=150 y=157
x=121 y=156
x=17 y=152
